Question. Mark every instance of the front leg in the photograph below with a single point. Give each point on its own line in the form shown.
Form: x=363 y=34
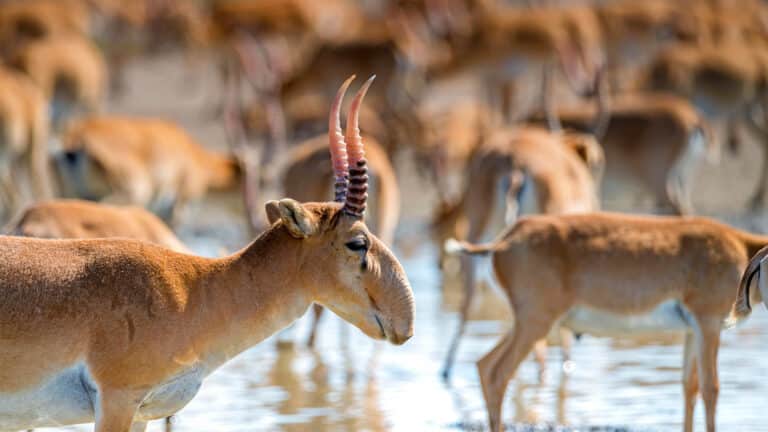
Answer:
x=116 y=409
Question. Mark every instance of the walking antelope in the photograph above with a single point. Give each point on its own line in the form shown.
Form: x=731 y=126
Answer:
x=24 y=140
x=71 y=71
x=75 y=219
x=621 y=264
x=141 y=161
x=542 y=167
x=121 y=332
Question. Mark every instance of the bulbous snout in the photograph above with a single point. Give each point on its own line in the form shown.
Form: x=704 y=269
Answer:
x=394 y=301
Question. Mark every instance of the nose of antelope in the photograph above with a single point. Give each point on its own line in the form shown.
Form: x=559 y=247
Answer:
x=398 y=310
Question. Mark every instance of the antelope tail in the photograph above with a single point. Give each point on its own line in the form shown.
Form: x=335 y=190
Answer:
x=456 y=247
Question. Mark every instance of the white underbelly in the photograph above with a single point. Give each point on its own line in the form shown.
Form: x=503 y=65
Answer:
x=668 y=317
x=70 y=398
x=62 y=400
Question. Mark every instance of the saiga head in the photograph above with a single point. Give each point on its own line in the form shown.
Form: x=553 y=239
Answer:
x=348 y=269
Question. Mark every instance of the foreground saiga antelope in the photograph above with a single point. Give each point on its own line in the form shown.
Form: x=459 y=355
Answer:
x=546 y=170
x=621 y=264
x=122 y=332
x=140 y=161
x=75 y=219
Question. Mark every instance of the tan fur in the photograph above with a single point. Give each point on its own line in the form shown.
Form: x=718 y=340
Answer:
x=623 y=264
x=550 y=162
x=70 y=70
x=657 y=138
x=25 y=128
x=141 y=161
x=178 y=312
x=74 y=219
x=25 y=20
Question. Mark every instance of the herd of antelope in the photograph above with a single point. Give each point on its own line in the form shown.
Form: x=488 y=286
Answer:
x=526 y=108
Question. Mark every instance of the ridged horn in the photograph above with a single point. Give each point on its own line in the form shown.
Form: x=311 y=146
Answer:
x=338 y=146
x=357 y=189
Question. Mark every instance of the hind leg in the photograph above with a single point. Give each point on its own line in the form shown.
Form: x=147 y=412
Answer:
x=690 y=381
x=466 y=303
x=498 y=366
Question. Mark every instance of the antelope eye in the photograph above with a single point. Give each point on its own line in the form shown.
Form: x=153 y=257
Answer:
x=358 y=244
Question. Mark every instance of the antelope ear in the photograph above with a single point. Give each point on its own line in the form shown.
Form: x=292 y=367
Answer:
x=299 y=222
x=272 y=208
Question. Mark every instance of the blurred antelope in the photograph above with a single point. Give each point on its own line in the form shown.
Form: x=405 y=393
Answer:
x=141 y=161
x=122 y=332
x=726 y=82
x=74 y=219
x=657 y=138
x=24 y=140
x=541 y=167
x=625 y=265
x=70 y=70
x=22 y=21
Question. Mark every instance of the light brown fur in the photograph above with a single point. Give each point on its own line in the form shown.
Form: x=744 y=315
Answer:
x=70 y=70
x=74 y=219
x=623 y=264
x=25 y=128
x=141 y=161
x=176 y=313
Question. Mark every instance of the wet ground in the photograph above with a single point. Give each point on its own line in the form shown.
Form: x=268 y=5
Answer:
x=349 y=383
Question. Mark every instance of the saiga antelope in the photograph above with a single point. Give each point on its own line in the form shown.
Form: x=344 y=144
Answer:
x=141 y=161
x=122 y=332
x=657 y=138
x=535 y=162
x=71 y=71
x=24 y=141
x=726 y=82
x=621 y=264
x=75 y=219
x=307 y=178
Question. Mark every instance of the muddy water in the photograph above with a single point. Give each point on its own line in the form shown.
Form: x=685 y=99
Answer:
x=349 y=383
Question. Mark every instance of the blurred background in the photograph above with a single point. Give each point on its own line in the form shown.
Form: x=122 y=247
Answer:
x=675 y=93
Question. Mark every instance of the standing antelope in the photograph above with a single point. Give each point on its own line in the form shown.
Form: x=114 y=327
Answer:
x=626 y=265
x=141 y=161
x=540 y=165
x=122 y=332
x=74 y=219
